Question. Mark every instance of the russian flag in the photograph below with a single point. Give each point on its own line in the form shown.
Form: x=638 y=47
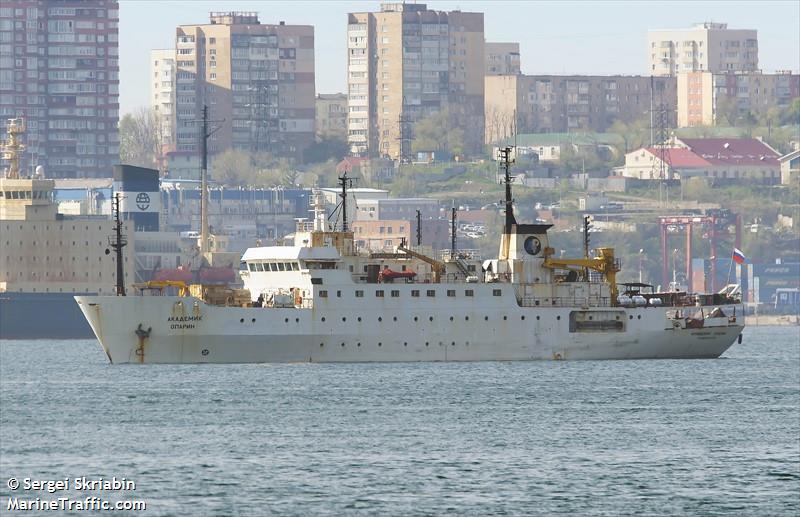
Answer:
x=738 y=256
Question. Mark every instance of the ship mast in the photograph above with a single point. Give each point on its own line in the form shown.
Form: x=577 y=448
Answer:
x=118 y=242
x=505 y=156
x=204 y=184
x=13 y=147
x=345 y=182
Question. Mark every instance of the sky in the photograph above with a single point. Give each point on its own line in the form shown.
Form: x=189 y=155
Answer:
x=555 y=37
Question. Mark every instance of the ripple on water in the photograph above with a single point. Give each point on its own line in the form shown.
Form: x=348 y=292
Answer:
x=650 y=437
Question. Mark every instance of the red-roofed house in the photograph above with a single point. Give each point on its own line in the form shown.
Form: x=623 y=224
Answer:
x=723 y=159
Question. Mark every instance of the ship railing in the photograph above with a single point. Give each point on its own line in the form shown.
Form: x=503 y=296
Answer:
x=565 y=301
x=471 y=254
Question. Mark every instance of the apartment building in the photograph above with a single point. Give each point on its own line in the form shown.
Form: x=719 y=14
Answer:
x=707 y=46
x=59 y=70
x=331 y=115
x=517 y=104
x=162 y=95
x=406 y=63
x=502 y=58
x=707 y=98
x=256 y=79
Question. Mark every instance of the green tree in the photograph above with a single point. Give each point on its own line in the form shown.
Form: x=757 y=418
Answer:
x=325 y=149
x=442 y=132
x=140 y=138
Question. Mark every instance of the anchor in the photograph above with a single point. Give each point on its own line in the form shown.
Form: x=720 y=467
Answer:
x=142 y=334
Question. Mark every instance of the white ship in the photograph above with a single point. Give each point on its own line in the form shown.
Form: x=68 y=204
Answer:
x=322 y=300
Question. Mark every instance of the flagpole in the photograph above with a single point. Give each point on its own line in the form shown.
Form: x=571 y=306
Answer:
x=730 y=266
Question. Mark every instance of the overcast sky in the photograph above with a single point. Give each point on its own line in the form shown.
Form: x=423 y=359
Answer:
x=589 y=37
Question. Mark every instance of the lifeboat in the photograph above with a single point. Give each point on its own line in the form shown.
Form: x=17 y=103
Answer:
x=388 y=275
x=178 y=274
x=217 y=275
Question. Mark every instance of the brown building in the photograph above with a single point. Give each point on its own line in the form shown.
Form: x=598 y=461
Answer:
x=406 y=63
x=561 y=103
x=706 y=98
x=59 y=71
x=331 y=115
x=388 y=234
x=258 y=78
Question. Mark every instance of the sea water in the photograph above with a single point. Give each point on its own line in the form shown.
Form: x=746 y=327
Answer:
x=658 y=437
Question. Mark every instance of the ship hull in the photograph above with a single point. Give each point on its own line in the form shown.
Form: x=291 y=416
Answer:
x=41 y=316
x=166 y=329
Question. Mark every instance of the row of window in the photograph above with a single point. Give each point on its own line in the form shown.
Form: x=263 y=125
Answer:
x=273 y=266
x=415 y=293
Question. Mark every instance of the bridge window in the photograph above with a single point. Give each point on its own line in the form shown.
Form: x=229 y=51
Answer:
x=281 y=266
x=295 y=266
x=451 y=293
x=272 y=266
x=251 y=266
x=414 y=293
x=469 y=292
x=497 y=292
x=431 y=293
x=395 y=294
x=379 y=293
x=259 y=266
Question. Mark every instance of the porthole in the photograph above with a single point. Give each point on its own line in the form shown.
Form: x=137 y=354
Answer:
x=522 y=318
x=591 y=318
x=426 y=343
x=380 y=344
x=342 y=345
x=359 y=318
x=286 y=320
x=241 y=320
x=558 y=317
x=430 y=318
x=321 y=345
x=639 y=317
x=297 y=320
x=453 y=343
x=630 y=317
x=394 y=318
x=538 y=318
x=405 y=343
x=344 y=319
x=380 y=318
x=323 y=318
x=486 y=318
x=451 y=318
x=466 y=318
x=253 y=320
x=416 y=318
x=358 y=345
x=505 y=318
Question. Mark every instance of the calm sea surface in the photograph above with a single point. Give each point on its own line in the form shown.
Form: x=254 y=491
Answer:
x=703 y=437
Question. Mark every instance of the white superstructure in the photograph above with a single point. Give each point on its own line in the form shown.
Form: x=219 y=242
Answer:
x=323 y=301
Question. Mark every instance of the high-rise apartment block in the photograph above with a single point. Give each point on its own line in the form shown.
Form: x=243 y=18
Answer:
x=502 y=58
x=706 y=98
x=707 y=46
x=59 y=70
x=568 y=103
x=332 y=115
x=162 y=95
x=256 y=79
x=406 y=63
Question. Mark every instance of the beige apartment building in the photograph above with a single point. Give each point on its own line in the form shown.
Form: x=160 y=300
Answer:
x=517 y=104
x=162 y=95
x=406 y=63
x=707 y=46
x=502 y=58
x=331 y=115
x=706 y=98
x=256 y=79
